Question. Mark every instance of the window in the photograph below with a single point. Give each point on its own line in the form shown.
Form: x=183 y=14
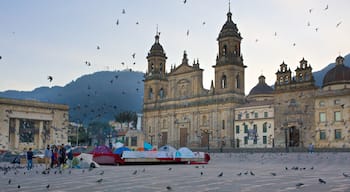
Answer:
x=150 y=93
x=237 y=129
x=247 y=115
x=152 y=67
x=161 y=67
x=300 y=77
x=281 y=80
x=337 y=102
x=223 y=82
x=255 y=141
x=245 y=128
x=204 y=120
x=265 y=127
x=266 y=114
x=134 y=141
x=322 y=117
x=238 y=82
x=256 y=115
x=264 y=139
x=161 y=93
x=322 y=135
x=239 y=116
x=223 y=124
x=224 y=50
x=337 y=116
x=246 y=140
x=126 y=141
x=321 y=104
x=286 y=79
x=255 y=127
x=26 y=130
x=337 y=134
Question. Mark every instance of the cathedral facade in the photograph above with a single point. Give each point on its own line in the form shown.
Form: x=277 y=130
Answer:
x=177 y=109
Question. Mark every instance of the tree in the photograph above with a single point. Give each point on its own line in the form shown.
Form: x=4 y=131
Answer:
x=126 y=117
x=99 y=131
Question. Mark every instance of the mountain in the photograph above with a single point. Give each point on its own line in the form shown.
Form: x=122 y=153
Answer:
x=318 y=75
x=98 y=96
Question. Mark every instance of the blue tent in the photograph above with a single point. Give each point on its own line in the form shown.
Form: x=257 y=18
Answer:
x=147 y=146
x=120 y=150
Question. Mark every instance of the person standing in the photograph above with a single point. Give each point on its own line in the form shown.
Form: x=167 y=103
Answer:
x=70 y=158
x=311 y=148
x=29 y=159
x=62 y=156
x=52 y=156
x=47 y=157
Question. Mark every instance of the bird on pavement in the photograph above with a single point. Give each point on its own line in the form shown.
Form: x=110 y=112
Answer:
x=99 y=181
x=102 y=172
x=221 y=174
x=346 y=175
x=299 y=184
x=134 y=173
x=168 y=188
x=273 y=174
x=321 y=181
x=9 y=181
x=48 y=186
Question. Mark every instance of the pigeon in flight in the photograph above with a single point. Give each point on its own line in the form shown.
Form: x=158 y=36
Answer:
x=98 y=47
x=185 y=1
x=310 y=10
x=133 y=55
x=326 y=8
x=123 y=11
x=338 y=24
x=0 y=57
x=50 y=78
x=188 y=32
x=117 y=23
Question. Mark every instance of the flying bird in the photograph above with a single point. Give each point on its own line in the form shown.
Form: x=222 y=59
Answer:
x=256 y=40
x=117 y=23
x=123 y=11
x=316 y=29
x=308 y=24
x=321 y=181
x=98 y=47
x=275 y=33
x=137 y=22
x=0 y=57
x=185 y=1
x=294 y=44
x=310 y=10
x=133 y=55
x=338 y=24
x=326 y=8
x=203 y=23
x=50 y=78
x=188 y=32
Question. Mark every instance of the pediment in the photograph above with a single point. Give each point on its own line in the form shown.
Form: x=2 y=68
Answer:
x=183 y=68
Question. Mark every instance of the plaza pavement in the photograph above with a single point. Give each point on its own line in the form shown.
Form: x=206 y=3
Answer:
x=187 y=178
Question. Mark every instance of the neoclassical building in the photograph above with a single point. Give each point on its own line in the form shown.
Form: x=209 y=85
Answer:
x=26 y=123
x=332 y=108
x=177 y=109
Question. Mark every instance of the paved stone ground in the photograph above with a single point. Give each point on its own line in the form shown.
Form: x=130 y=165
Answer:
x=187 y=178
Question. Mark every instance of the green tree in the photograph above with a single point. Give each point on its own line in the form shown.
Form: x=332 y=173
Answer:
x=126 y=117
x=99 y=131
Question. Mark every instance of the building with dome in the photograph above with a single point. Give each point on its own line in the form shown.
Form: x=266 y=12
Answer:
x=177 y=109
x=254 y=120
x=332 y=108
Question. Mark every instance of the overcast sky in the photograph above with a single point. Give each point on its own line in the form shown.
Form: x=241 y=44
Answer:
x=39 y=38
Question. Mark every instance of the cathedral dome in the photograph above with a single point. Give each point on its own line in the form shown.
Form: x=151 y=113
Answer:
x=157 y=48
x=229 y=29
x=261 y=88
x=340 y=74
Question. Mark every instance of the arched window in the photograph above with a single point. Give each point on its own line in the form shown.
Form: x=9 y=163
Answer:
x=300 y=77
x=150 y=93
x=223 y=82
x=152 y=67
x=161 y=93
x=238 y=81
x=161 y=67
x=286 y=79
x=204 y=120
x=236 y=50
x=224 y=50
x=281 y=80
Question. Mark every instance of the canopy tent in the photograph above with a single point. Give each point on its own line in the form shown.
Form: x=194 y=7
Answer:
x=120 y=150
x=185 y=152
x=101 y=150
x=84 y=160
x=147 y=146
x=118 y=145
x=167 y=148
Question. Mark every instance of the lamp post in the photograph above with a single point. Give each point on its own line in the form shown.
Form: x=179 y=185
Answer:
x=151 y=139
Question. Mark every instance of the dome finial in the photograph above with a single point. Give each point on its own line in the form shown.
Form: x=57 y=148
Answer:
x=229 y=6
x=229 y=14
x=157 y=35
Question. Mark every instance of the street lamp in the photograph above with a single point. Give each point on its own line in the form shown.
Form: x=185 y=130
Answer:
x=151 y=139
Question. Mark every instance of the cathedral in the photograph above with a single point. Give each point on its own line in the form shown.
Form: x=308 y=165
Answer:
x=178 y=111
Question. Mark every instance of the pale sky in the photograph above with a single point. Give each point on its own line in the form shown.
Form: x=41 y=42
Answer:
x=45 y=37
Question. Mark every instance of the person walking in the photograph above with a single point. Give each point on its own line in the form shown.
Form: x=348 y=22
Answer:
x=47 y=157
x=70 y=158
x=53 y=157
x=311 y=148
x=29 y=159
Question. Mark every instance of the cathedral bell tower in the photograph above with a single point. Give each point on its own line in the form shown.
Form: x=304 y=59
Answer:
x=155 y=77
x=229 y=68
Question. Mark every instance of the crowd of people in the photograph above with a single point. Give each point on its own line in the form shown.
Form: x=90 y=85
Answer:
x=54 y=157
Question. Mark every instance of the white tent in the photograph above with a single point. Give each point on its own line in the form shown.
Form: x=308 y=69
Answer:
x=167 y=148
x=85 y=160
x=185 y=152
x=118 y=145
